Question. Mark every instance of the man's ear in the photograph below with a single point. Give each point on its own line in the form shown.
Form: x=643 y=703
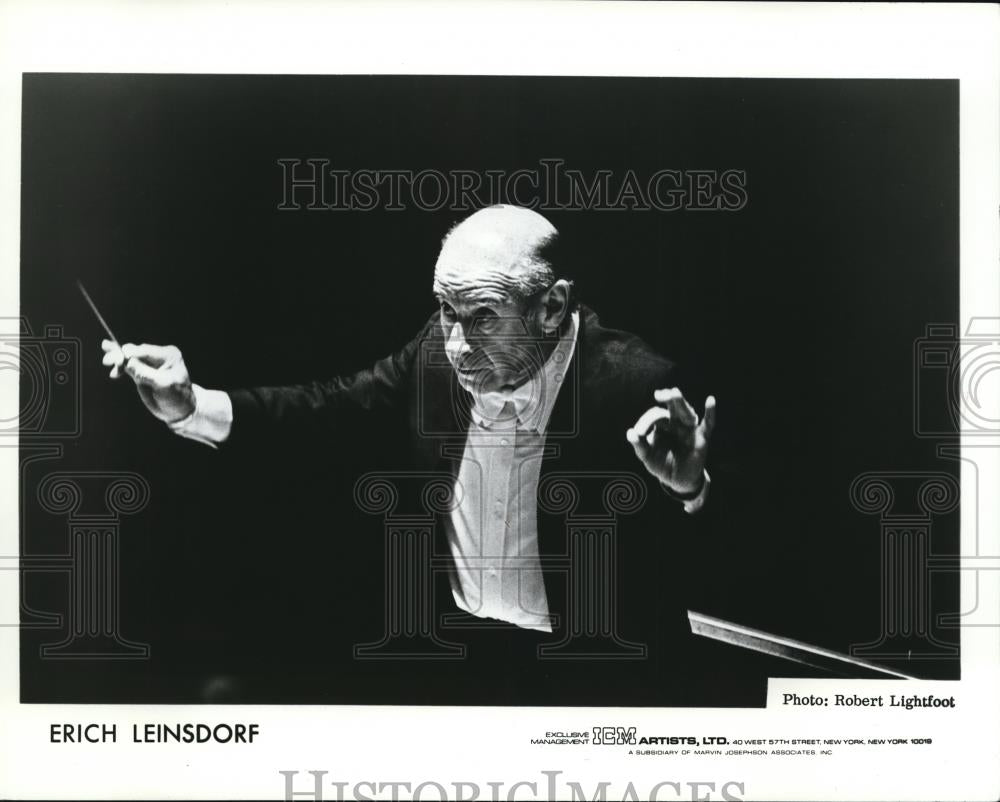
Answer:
x=555 y=305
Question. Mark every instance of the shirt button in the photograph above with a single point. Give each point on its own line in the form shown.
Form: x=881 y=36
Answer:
x=504 y=442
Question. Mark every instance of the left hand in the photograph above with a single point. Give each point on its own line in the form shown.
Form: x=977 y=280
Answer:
x=671 y=442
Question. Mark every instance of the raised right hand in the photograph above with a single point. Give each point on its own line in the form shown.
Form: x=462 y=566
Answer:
x=160 y=377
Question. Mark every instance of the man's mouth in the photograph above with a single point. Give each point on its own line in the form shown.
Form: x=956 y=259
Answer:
x=468 y=370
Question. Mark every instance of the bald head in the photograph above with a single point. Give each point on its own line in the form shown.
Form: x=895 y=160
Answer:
x=497 y=291
x=495 y=256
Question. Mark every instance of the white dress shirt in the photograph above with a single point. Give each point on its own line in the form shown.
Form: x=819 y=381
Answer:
x=493 y=531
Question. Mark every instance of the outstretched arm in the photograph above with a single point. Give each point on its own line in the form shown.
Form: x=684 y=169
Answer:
x=213 y=416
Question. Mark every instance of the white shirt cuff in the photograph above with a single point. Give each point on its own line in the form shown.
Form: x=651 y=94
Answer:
x=696 y=503
x=212 y=419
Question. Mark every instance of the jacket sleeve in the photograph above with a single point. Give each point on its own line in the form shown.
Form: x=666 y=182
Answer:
x=325 y=403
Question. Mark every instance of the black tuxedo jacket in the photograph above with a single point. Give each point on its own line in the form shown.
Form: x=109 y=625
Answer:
x=590 y=475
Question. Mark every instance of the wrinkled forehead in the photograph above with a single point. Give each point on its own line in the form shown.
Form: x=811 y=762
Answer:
x=485 y=268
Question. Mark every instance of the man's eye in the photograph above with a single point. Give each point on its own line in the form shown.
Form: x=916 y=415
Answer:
x=448 y=312
x=485 y=323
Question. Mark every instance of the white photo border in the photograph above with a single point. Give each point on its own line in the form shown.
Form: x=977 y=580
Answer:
x=448 y=745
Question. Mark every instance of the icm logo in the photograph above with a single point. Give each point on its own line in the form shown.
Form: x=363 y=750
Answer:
x=614 y=736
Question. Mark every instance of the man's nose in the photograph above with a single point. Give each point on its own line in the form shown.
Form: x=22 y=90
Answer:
x=457 y=345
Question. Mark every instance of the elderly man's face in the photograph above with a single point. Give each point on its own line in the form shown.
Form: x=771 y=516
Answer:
x=492 y=345
x=493 y=338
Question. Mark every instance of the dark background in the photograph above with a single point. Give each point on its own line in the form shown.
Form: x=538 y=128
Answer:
x=799 y=312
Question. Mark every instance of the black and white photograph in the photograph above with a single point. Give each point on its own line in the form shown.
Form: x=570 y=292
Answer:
x=486 y=394
x=473 y=390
